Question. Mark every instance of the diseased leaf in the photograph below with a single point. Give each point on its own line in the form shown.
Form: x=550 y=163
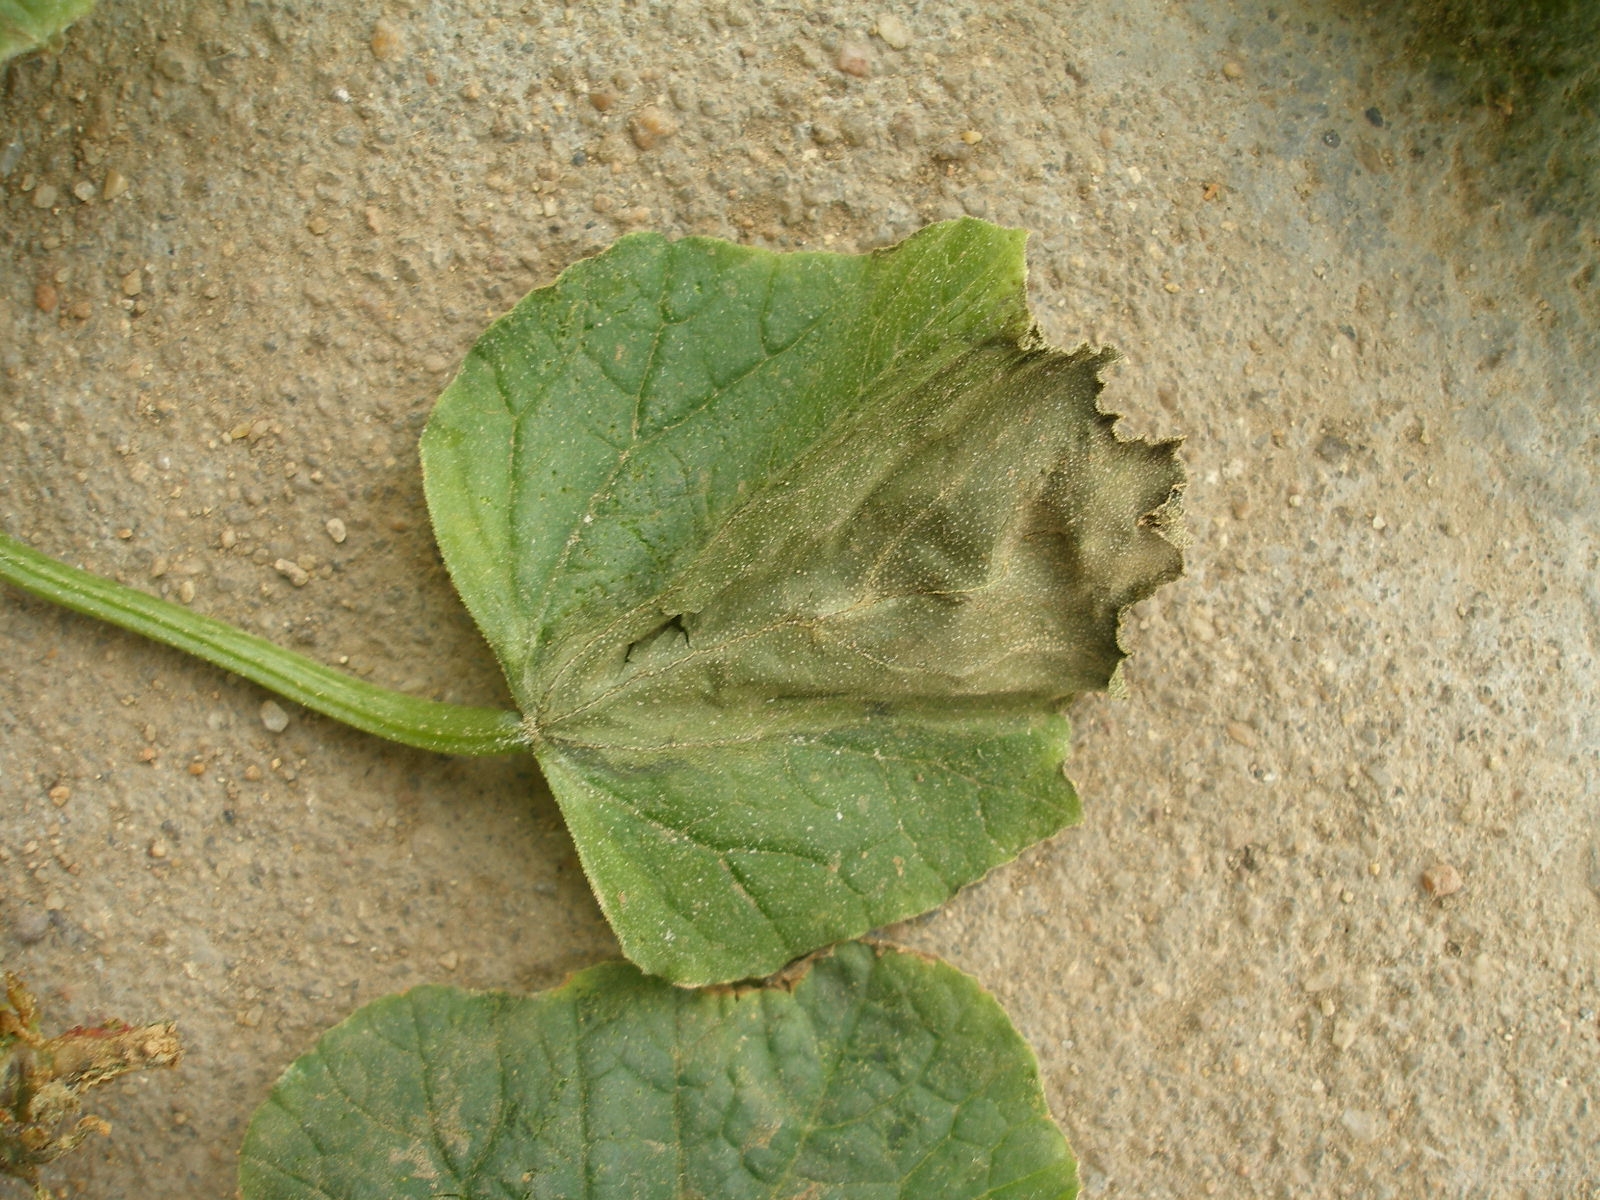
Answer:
x=792 y=562
x=868 y=1073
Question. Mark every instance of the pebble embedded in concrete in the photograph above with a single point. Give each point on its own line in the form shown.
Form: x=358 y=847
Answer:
x=273 y=716
x=893 y=32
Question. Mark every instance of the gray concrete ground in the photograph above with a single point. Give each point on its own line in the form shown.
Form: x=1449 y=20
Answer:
x=243 y=245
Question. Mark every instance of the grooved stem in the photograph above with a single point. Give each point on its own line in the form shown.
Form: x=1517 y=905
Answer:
x=425 y=724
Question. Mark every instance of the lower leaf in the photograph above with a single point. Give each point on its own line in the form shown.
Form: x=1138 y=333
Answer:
x=869 y=1072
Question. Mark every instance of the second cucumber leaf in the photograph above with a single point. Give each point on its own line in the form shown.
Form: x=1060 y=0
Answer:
x=792 y=562
x=864 y=1072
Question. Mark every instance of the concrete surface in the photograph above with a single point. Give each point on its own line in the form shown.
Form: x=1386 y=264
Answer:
x=243 y=245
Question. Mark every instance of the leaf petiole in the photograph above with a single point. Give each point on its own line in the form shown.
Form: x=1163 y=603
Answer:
x=425 y=724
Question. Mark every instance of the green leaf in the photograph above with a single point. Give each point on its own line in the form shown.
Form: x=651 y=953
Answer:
x=868 y=1073
x=28 y=24
x=792 y=562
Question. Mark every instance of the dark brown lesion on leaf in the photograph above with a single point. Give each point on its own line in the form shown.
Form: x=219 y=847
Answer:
x=41 y=1079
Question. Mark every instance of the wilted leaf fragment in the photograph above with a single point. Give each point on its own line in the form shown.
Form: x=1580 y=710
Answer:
x=42 y=1078
x=877 y=1074
x=791 y=562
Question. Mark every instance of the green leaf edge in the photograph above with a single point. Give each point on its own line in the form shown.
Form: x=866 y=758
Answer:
x=28 y=24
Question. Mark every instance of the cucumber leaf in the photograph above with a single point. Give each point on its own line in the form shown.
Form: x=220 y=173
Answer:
x=868 y=1073
x=792 y=562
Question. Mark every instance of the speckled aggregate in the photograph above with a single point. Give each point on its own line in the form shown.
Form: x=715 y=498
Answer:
x=1377 y=334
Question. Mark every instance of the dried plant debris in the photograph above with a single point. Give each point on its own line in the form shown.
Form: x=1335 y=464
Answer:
x=42 y=1079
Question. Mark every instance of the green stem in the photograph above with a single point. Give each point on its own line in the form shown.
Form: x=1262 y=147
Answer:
x=426 y=724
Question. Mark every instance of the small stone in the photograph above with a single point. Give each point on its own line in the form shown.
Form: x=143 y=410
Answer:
x=1364 y=1126
x=449 y=960
x=45 y=297
x=1442 y=880
x=854 y=59
x=116 y=183
x=60 y=794
x=30 y=926
x=1243 y=734
x=273 y=716
x=251 y=1017
x=186 y=591
x=252 y=773
x=197 y=767
x=133 y=283
x=292 y=571
x=318 y=225
x=472 y=90
x=45 y=196
x=604 y=100
x=158 y=849
x=1233 y=71
x=387 y=44
x=650 y=126
x=336 y=529
x=84 y=190
x=855 y=129
x=971 y=137
x=174 y=65
x=893 y=31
